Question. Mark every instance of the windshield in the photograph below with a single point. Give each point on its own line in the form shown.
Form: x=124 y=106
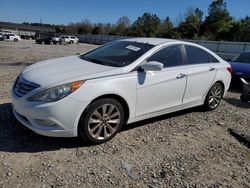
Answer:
x=118 y=53
x=244 y=57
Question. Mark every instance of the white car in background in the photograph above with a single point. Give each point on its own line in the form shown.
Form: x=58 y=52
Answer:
x=2 y=32
x=94 y=94
x=55 y=40
x=11 y=37
x=68 y=39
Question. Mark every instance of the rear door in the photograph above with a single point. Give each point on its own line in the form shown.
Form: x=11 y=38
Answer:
x=201 y=71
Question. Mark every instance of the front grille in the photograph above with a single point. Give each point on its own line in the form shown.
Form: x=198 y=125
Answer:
x=22 y=86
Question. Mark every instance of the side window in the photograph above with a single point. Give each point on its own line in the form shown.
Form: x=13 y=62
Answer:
x=169 y=56
x=196 y=55
x=212 y=59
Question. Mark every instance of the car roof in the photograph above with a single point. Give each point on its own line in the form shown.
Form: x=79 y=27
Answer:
x=153 y=41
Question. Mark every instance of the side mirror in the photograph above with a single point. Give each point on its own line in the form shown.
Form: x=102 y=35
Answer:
x=152 y=66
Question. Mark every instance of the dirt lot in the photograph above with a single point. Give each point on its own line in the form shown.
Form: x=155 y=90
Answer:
x=191 y=148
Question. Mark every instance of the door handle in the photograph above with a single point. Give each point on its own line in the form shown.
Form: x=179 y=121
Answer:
x=181 y=76
x=212 y=69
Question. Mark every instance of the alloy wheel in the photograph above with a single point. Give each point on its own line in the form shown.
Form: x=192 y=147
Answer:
x=215 y=96
x=104 y=122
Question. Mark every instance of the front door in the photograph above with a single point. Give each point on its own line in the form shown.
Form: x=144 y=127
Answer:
x=159 y=90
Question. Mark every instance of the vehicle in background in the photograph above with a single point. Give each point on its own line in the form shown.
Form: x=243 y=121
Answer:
x=56 y=40
x=5 y=32
x=2 y=32
x=11 y=37
x=241 y=68
x=245 y=96
x=45 y=40
x=68 y=39
x=1 y=36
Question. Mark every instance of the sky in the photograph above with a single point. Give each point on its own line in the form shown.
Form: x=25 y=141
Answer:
x=106 y=11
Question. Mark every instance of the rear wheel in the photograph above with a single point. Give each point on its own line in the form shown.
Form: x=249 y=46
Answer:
x=214 y=97
x=15 y=40
x=101 y=121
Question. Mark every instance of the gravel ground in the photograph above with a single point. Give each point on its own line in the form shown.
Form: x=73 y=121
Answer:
x=190 y=148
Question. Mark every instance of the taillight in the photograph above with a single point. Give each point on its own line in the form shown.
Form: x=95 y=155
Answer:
x=230 y=69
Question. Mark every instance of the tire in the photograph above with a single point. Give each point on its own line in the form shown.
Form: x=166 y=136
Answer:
x=43 y=42
x=15 y=40
x=101 y=121
x=244 y=98
x=71 y=42
x=213 y=97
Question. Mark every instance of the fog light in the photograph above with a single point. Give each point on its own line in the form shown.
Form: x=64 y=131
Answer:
x=46 y=122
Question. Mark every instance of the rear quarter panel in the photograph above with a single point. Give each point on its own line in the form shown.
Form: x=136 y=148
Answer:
x=223 y=75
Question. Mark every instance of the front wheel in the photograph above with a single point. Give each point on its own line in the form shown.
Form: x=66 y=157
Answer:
x=214 y=97
x=101 y=121
x=15 y=40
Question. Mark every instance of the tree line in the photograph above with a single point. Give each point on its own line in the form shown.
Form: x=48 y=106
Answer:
x=217 y=25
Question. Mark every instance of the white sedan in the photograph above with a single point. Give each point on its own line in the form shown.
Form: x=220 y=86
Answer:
x=94 y=94
x=11 y=37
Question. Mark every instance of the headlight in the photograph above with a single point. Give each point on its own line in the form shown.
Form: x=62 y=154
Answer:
x=56 y=93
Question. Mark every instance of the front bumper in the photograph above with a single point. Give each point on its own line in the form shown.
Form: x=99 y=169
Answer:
x=65 y=113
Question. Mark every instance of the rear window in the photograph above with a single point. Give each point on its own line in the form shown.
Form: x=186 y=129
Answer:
x=196 y=55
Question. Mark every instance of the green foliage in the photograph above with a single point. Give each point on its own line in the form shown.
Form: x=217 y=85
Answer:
x=122 y=26
x=218 y=22
x=147 y=26
x=190 y=28
x=166 y=28
x=60 y=29
x=244 y=30
x=218 y=25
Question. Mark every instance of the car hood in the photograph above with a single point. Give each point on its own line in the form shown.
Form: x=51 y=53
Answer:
x=240 y=68
x=64 y=70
